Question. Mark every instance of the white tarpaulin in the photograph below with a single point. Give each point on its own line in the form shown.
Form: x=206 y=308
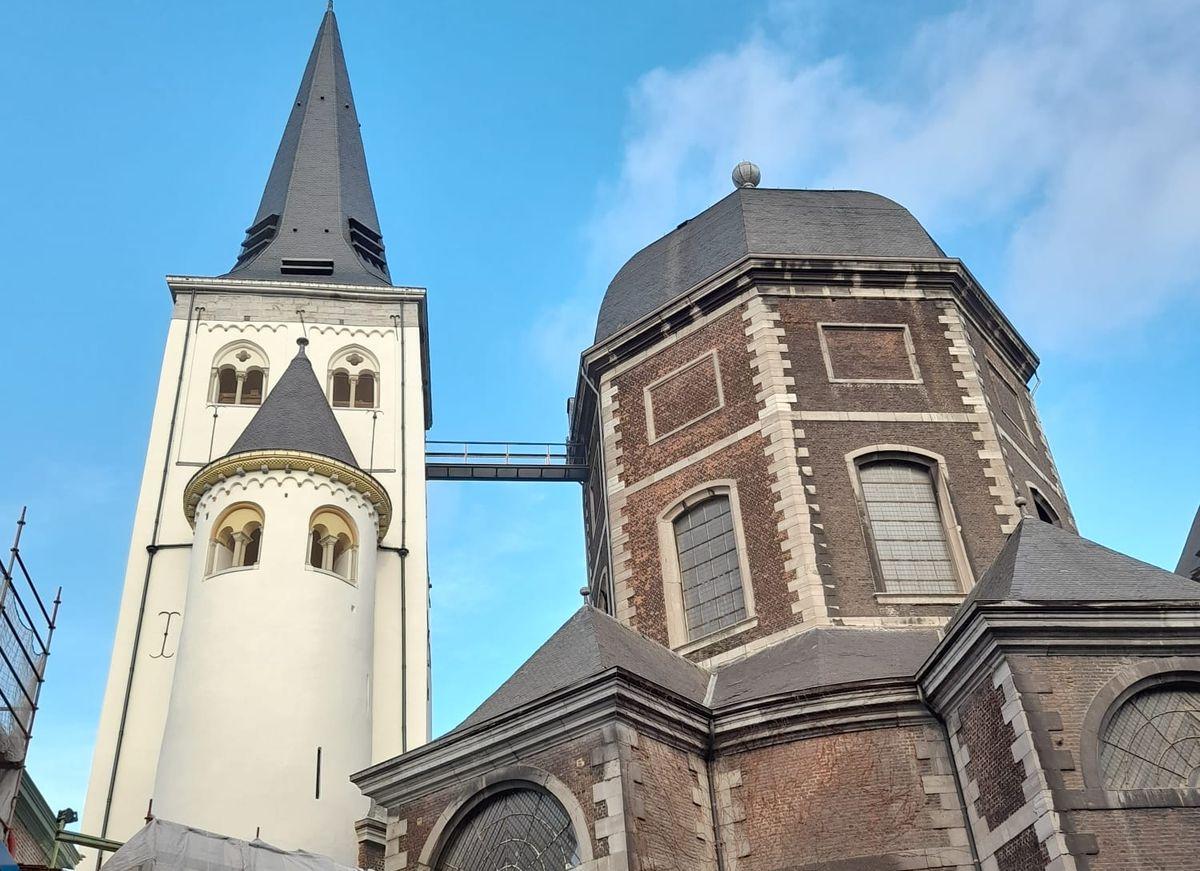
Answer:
x=166 y=846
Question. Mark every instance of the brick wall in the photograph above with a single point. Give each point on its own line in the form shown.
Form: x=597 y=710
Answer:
x=884 y=796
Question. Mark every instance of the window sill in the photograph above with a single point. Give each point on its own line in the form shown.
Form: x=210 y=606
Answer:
x=919 y=598
x=230 y=571
x=720 y=635
x=328 y=573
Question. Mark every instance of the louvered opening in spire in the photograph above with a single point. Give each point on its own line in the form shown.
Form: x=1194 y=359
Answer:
x=318 y=207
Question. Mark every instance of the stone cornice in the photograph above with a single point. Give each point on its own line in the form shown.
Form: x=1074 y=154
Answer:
x=299 y=462
x=619 y=696
x=562 y=716
x=826 y=276
x=979 y=636
x=367 y=292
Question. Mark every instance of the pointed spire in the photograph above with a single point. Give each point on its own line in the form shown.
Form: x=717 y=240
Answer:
x=296 y=417
x=317 y=219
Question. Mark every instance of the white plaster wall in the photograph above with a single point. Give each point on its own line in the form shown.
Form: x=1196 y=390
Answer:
x=401 y=714
x=274 y=661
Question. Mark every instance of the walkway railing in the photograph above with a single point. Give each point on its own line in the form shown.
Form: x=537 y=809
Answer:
x=503 y=461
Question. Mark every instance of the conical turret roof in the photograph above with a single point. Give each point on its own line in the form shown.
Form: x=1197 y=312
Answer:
x=317 y=219
x=296 y=417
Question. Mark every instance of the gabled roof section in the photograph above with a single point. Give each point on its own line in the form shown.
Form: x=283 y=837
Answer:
x=1043 y=563
x=760 y=221
x=296 y=417
x=317 y=219
x=824 y=657
x=588 y=644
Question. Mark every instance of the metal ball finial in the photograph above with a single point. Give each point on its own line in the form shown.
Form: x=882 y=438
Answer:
x=746 y=175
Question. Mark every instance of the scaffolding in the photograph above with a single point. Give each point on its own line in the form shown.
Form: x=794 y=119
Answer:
x=26 y=629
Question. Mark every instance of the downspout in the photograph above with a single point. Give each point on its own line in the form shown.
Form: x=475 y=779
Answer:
x=608 y=531
x=151 y=550
x=403 y=549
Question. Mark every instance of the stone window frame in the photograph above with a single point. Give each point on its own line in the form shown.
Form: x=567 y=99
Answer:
x=940 y=474
x=369 y=364
x=672 y=576
x=1024 y=423
x=908 y=345
x=241 y=538
x=648 y=403
x=228 y=357
x=480 y=788
x=1037 y=497
x=1124 y=685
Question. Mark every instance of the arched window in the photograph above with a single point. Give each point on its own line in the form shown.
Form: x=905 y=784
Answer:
x=354 y=379
x=333 y=543
x=239 y=375
x=340 y=394
x=1045 y=512
x=227 y=385
x=364 y=391
x=1152 y=741
x=252 y=388
x=236 y=540
x=906 y=525
x=709 y=569
x=521 y=827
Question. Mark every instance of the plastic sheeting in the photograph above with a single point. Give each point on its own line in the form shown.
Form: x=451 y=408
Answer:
x=166 y=846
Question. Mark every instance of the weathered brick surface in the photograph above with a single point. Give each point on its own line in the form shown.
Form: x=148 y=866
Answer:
x=725 y=334
x=370 y=856
x=684 y=396
x=992 y=767
x=839 y=796
x=1150 y=839
x=745 y=462
x=868 y=352
x=671 y=826
x=1023 y=853
x=938 y=390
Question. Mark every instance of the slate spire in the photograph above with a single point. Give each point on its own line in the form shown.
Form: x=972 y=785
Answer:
x=296 y=417
x=317 y=219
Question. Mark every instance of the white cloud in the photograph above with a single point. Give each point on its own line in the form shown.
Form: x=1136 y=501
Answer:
x=1072 y=126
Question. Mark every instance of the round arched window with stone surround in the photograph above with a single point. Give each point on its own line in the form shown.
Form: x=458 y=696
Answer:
x=354 y=379
x=239 y=375
x=520 y=827
x=333 y=543
x=1152 y=740
x=236 y=539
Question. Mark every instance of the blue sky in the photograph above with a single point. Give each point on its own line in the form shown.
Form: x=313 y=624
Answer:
x=520 y=153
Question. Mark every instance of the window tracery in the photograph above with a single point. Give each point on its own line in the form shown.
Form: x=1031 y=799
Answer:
x=239 y=375
x=354 y=379
x=522 y=828
x=1152 y=741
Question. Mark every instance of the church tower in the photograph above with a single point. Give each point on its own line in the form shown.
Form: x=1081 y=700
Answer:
x=272 y=637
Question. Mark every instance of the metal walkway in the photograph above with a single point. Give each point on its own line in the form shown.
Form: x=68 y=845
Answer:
x=502 y=461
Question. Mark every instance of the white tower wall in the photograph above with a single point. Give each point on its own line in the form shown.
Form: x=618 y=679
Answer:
x=275 y=661
x=388 y=442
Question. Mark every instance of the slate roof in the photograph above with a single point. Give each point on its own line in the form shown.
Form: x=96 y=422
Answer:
x=763 y=221
x=1189 y=560
x=824 y=657
x=296 y=417
x=588 y=644
x=1043 y=563
x=319 y=179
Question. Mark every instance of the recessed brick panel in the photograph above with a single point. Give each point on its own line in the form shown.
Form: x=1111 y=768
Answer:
x=1023 y=853
x=684 y=396
x=867 y=353
x=989 y=740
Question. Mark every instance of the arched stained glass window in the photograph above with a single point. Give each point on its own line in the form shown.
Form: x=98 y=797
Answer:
x=1153 y=740
x=518 y=829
